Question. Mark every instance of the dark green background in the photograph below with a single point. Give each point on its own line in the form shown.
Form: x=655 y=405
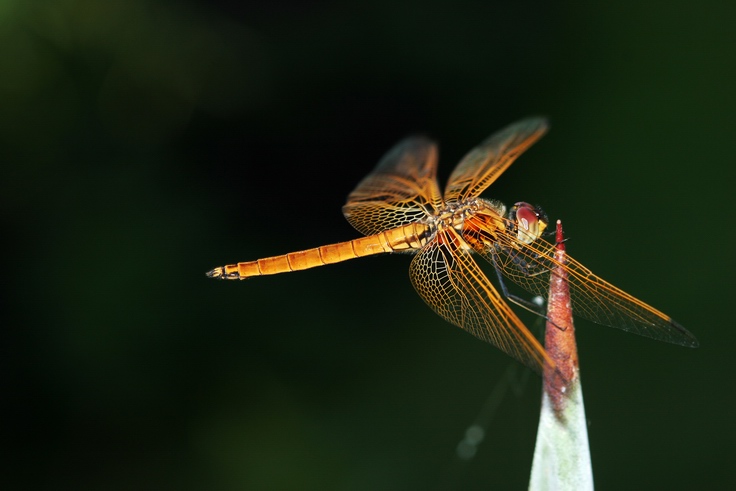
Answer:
x=144 y=142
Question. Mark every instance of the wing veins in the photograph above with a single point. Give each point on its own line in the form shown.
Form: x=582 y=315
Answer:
x=593 y=298
x=451 y=282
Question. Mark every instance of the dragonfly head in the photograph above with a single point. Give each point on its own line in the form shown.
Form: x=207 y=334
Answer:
x=528 y=221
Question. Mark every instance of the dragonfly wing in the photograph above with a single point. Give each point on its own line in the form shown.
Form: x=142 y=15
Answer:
x=450 y=281
x=595 y=299
x=479 y=168
x=401 y=189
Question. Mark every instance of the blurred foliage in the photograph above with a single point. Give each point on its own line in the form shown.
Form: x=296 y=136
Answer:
x=144 y=142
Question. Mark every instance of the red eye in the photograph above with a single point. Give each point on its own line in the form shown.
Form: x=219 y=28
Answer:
x=529 y=224
x=526 y=216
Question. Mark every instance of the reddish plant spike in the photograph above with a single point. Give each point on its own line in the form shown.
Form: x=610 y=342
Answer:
x=560 y=333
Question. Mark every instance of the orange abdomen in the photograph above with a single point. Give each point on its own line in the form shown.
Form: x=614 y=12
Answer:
x=407 y=237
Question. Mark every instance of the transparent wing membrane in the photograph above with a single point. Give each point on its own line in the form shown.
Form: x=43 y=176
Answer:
x=483 y=164
x=450 y=281
x=593 y=298
x=402 y=189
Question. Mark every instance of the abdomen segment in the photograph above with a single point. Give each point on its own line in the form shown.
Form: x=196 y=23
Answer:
x=408 y=237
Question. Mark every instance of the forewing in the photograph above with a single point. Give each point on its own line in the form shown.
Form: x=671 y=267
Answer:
x=479 y=168
x=401 y=189
x=595 y=299
x=450 y=281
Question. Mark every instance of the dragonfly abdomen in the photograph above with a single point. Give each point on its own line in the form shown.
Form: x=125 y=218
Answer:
x=406 y=237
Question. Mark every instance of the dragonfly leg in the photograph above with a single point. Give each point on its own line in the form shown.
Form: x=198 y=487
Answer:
x=525 y=304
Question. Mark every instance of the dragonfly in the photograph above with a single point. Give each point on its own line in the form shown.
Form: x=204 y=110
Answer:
x=399 y=207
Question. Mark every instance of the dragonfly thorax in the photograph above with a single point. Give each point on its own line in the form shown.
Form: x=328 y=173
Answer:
x=455 y=215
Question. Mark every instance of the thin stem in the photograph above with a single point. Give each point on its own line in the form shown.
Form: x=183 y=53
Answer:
x=561 y=455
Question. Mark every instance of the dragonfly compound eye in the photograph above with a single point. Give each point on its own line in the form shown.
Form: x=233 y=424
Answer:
x=530 y=222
